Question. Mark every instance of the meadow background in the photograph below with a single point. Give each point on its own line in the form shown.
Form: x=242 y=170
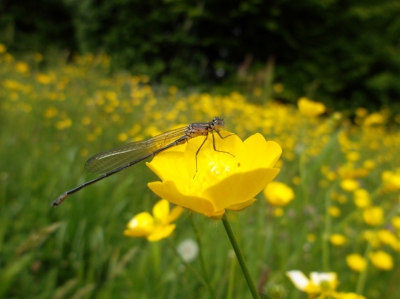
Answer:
x=61 y=105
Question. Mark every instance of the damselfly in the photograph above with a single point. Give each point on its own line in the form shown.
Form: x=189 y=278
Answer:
x=114 y=160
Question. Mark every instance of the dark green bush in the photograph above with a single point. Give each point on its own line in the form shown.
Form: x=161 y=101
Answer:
x=345 y=53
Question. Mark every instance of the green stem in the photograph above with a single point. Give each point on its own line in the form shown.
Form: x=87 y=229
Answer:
x=201 y=257
x=240 y=257
x=363 y=275
x=155 y=248
x=327 y=232
x=231 y=280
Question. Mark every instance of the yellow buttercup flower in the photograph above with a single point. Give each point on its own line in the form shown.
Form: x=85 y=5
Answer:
x=173 y=90
x=155 y=227
x=356 y=262
x=310 y=108
x=349 y=185
x=381 y=260
x=22 y=67
x=334 y=211
x=337 y=239
x=278 y=212
x=373 y=215
x=222 y=180
x=362 y=198
x=3 y=48
x=374 y=119
x=278 y=87
x=311 y=238
x=50 y=112
x=43 y=79
x=278 y=194
x=387 y=237
x=391 y=180
x=396 y=222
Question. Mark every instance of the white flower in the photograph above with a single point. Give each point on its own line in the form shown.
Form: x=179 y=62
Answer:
x=188 y=250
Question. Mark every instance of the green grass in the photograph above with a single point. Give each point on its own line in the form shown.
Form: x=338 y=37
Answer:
x=78 y=250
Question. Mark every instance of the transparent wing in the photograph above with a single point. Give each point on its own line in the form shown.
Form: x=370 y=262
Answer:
x=119 y=156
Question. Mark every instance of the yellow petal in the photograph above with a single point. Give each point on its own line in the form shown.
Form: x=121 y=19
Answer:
x=161 y=232
x=256 y=152
x=240 y=187
x=161 y=211
x=168 y=165
x=310 y=108
x=140 y=225
x=242 y=205
x=278 y=194
x=175 y=213
x=169 y=190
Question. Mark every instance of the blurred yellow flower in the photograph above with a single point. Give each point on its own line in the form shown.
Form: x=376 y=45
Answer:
x=361 y=198
x=373 y=215
x=353 y=156
x=387 y=237
x=374 y=119
x=278 y=87
x=370 y=236
x=222 y=181
x=63 y=124
x=296 y=180
x=349 y=296
x=356 y=262
x=391 y=180
x=337 y=239
x=83 y=152
x=50 y=112
x=349 y=185
x=122 y=137
x=155 y=227
x=13 y=85
x=381 y=260
x=369 y=164
x=396 y=222
x=331 y=176
x=342 y=199
x=43 y=79
x=361 y=112
x=311 y=238
x=21 y=67
x=310 y=108
x=86 y=120
x=334 y=211
x=278 y=194
x=257 y=92
x=3 y=48
x=173 y=90
x=278 y=212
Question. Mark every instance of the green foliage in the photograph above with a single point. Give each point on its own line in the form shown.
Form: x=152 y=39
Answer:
x=342 y=50
x=35 y=25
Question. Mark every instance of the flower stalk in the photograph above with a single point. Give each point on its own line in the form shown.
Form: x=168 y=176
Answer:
x=240 y=257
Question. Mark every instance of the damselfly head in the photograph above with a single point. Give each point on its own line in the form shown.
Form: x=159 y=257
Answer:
x=217 y=123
